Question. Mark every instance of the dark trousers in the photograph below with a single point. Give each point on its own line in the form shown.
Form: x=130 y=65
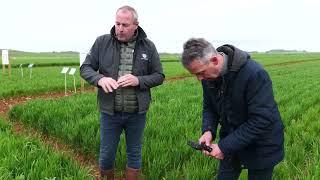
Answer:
x=111 y=127
x=230 y=170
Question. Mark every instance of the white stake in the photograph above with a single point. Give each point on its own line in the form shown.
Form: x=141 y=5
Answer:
x=30 y=67
x=74 y=84
x=71 y=72
x=64 y=71
x=5 y=61
x=21 y=70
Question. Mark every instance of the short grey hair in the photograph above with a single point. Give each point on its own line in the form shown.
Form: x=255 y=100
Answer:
x=130 y=9
x=197 y=48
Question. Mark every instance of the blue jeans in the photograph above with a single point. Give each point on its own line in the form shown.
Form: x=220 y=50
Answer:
x=111 y=128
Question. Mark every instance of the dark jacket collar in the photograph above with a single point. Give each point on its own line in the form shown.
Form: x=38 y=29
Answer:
x=236 y=57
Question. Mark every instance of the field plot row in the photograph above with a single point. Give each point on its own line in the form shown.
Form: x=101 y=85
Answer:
x=296 y=90
x=49 y=79
x=268 y=59
x=175 y=117
x=27 y=158
x=43 y=79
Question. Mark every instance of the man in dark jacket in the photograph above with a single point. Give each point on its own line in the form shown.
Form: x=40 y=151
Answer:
x=238 y=95
x=124 y=65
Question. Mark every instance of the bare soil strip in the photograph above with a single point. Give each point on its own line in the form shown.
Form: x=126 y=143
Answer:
x=291 y=62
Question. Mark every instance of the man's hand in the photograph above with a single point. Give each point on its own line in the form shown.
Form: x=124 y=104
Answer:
x=206 y=139
x=216 y=152
x=128 y=80
x=108 y=84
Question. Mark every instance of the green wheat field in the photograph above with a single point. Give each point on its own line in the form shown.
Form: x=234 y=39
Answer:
x=173 y=119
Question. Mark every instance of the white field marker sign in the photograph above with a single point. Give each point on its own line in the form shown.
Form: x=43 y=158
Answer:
x=5 y=57
x=5 y=61
x=21 y=69
x=30 y=68
x=64 y=71
x=71 y=72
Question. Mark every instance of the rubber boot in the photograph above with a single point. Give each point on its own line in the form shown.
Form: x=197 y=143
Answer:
x=132 y=174
x=107 y=174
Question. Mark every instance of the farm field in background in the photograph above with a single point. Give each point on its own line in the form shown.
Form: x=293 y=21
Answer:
x=62 y=58
x=49 y=79
x=175 y=117
x=268 y=59
x=43 y=79
x=43 y=58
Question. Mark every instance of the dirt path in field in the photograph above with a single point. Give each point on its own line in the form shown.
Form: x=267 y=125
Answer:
x=60 y=147
x=177 y=78
x=291 y=62
x=7 y=103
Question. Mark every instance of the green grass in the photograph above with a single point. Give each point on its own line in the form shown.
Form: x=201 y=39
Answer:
x=43 y=79
x=175 y=117
x=26 y=158
x=72 y=119
x=49 y=79
x=280 y=58
x=174 y=69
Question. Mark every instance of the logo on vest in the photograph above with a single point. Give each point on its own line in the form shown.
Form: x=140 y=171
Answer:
x=144 y=57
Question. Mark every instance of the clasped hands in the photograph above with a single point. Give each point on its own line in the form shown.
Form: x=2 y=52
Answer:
x=108 y=84
x=206 y=138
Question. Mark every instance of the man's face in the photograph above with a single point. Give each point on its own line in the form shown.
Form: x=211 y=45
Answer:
x=125 y=25
x=204 y=71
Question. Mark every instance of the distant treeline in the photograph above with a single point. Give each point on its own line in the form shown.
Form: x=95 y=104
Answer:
x=16 y=53
x=285 y=51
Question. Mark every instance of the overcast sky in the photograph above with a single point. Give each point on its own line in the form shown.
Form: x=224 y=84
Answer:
x=252 y=25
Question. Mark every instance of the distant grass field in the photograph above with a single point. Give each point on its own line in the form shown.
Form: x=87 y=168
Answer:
x=43 y=58
x=48 y=79
x=280 y=58
x=72 y=58
x=43 y=79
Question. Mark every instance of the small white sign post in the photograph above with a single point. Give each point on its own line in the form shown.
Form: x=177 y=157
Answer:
x=5 y=61
x=82 y=57
x=30 y=69
x=21 y=69
x=71 y=72
x=64 y=71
